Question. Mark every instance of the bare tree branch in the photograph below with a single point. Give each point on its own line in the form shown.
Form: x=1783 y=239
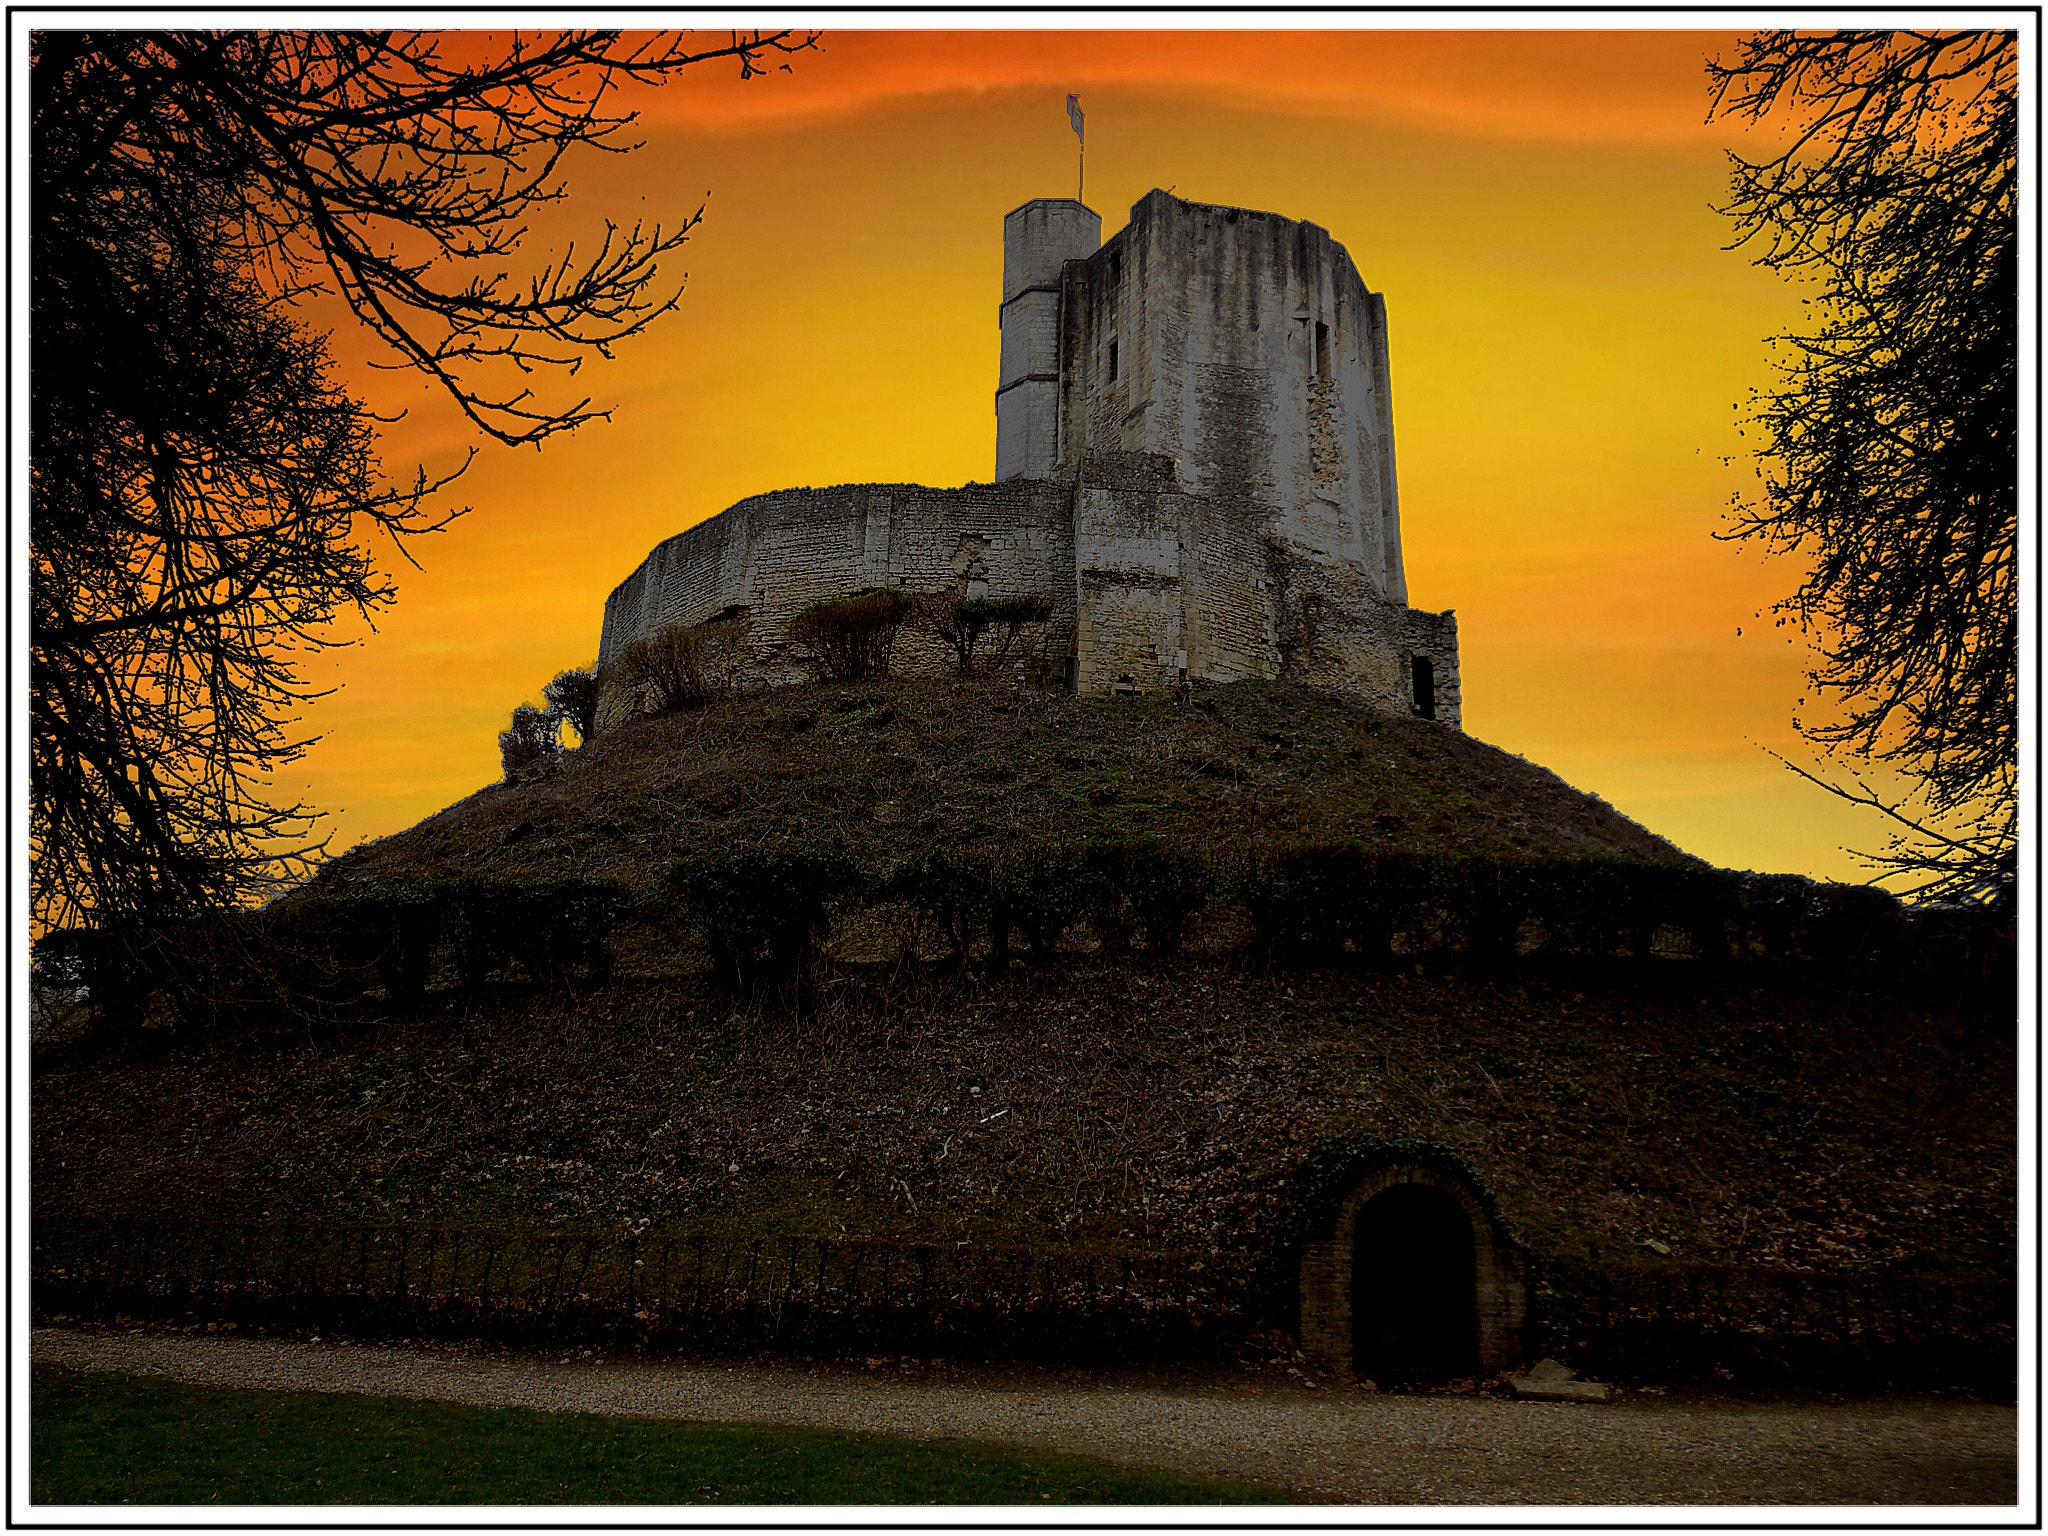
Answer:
x=1890 y=442
x=204 y=495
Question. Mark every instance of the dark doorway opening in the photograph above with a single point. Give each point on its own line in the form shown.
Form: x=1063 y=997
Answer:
x=1425 y=687
x=1414 y=1303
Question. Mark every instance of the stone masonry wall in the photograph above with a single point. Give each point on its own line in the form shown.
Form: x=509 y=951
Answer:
x=1194 y=467
x=1039 y=239
x=1246 y=348
x=770 y=557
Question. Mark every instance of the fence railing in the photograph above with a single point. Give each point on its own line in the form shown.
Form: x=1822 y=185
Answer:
x=714 y=1291
x=705 y=1290
x=1696 y=1321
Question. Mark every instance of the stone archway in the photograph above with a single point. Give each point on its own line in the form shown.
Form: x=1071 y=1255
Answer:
x=1416 y=1277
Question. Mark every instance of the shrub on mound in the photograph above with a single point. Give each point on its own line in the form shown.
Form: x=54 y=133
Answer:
x=1330 y=902
x=763 y=912
x=850 y=639
x=553 y=930
x=683 y=666
x=1148 y=886
x=959 y=894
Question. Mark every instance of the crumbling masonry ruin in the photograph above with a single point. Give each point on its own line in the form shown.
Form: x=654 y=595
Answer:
x=1194 y=471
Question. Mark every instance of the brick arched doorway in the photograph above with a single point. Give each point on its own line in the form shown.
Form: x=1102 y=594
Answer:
x=1416 y=1278
x=1414 y=1296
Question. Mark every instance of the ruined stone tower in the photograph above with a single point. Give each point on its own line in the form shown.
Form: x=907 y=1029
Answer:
x=1241 y=345
x=1194 y=469
x=1039 y=240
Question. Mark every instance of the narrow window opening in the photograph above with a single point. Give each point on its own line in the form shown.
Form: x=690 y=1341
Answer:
x=1425 y=688
x=1116 y=267
x=1322 y=350
x=1112 y=359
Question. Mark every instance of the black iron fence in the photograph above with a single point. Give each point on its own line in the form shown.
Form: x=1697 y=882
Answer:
x=705 y=1291
x=1664 y=1322
x=711 y=1291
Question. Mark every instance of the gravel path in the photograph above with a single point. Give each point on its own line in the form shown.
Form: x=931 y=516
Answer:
x=1328 y=1446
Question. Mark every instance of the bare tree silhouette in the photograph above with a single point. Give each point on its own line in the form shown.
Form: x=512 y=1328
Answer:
x=1890 y=443
x=203 y=492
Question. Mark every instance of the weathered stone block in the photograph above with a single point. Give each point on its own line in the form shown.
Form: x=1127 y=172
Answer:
x=1552 y=1381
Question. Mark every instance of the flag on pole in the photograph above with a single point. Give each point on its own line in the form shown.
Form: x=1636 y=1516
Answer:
x=1074 y=116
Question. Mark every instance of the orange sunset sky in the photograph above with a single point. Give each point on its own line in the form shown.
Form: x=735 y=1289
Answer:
x=1570 y=342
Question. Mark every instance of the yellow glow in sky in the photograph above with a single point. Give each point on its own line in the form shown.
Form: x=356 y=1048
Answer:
x=1570 y=344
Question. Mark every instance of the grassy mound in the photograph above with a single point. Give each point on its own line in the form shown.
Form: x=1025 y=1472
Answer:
x=1643 y=1108
x=1121 y=1103
x=886 y=770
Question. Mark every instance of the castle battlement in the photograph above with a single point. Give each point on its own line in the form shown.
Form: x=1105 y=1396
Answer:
x=1194 y=471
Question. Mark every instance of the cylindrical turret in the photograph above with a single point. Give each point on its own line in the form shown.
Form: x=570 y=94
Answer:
x=1039 y=239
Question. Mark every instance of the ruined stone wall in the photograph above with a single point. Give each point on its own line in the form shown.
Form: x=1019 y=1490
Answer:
x=1332 y=629
x=1246 y=348
x=769 y=557
x=1195 y=468
x=1039 y=239
x=1147 y=582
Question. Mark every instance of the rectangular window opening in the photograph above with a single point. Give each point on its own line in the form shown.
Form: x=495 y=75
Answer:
x=1425 y=687
x=1322 y=350
x=1112 y=359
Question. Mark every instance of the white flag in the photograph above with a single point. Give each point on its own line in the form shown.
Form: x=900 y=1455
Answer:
x=1074 y=116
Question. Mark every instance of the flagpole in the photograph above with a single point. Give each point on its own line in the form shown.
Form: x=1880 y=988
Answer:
x=1080 y=160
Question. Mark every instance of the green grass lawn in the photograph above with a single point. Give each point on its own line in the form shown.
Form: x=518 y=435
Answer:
x=101 y=1438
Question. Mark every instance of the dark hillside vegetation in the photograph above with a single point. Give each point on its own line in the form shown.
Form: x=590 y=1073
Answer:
x=891 y=767
x=1127 y=1103
x=890 y=832
x=702 y=978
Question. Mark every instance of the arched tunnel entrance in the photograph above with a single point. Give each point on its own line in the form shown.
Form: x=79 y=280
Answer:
x=1411 y=1276
x=1414 y=1296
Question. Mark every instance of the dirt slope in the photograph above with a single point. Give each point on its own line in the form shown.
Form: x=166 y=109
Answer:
x=1120 y=1102
x=899 y=766
x=1737 y=1115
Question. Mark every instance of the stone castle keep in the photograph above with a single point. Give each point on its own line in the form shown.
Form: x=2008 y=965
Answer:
x=1194 y=471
